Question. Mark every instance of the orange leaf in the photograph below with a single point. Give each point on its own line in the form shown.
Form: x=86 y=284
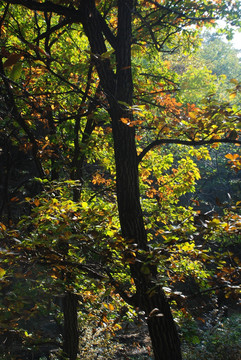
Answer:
x=125 y=121
x=104 y=319
x=111 y=307
x=2 y=226
x=14 y=199
x=229 y=156
x=232 y=156
x=36 y=202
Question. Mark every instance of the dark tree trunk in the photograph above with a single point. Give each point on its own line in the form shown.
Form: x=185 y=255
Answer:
x=150 y=297
x=162 y=328
x=70 y=331
x=119 y=89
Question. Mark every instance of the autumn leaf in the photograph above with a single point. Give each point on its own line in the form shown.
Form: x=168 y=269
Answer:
x=2 y=272
x=111 y=307
x=232 y=156
x=36 y=202
x=3 y=227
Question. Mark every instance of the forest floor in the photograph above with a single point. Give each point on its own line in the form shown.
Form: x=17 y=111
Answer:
x=135 y=341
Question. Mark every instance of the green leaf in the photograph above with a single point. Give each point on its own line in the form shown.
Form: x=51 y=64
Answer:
x=16 y=71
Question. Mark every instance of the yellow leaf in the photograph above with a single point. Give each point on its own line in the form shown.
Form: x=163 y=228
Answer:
x=234 y=81
x=117 y=327
x=232 y=96
x=192 y=115
x=214 y=222
x=84 y=205
x=111 y=307
x=2 y=272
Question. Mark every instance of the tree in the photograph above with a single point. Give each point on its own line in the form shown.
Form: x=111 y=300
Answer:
x=103 y=46
x=220 y=56
x=208 y=71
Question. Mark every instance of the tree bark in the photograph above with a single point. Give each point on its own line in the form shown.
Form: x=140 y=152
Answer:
x=119 y=91
x=150 y=297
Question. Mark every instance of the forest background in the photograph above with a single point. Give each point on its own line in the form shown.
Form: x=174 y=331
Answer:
x=120 y=179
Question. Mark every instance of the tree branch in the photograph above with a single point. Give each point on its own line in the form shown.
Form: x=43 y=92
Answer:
x=180 y=13
x=110 y=37
x=67 y=11
x=184 y=142
x=60 y=25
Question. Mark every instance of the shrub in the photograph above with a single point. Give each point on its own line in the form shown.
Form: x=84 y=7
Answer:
x=216 y=341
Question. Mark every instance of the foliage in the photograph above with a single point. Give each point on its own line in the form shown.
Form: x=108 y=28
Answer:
x=220 y=57
x=219 y=339
x=95 y=209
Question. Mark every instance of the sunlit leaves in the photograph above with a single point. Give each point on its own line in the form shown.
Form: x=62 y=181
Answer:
x=74 y=243
x=234 y=161
x=168 y=187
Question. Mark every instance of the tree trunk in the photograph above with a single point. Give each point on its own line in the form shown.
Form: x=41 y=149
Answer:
x=70 y=331
x=162 y=328
x=119 y=90
x=150 y=297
